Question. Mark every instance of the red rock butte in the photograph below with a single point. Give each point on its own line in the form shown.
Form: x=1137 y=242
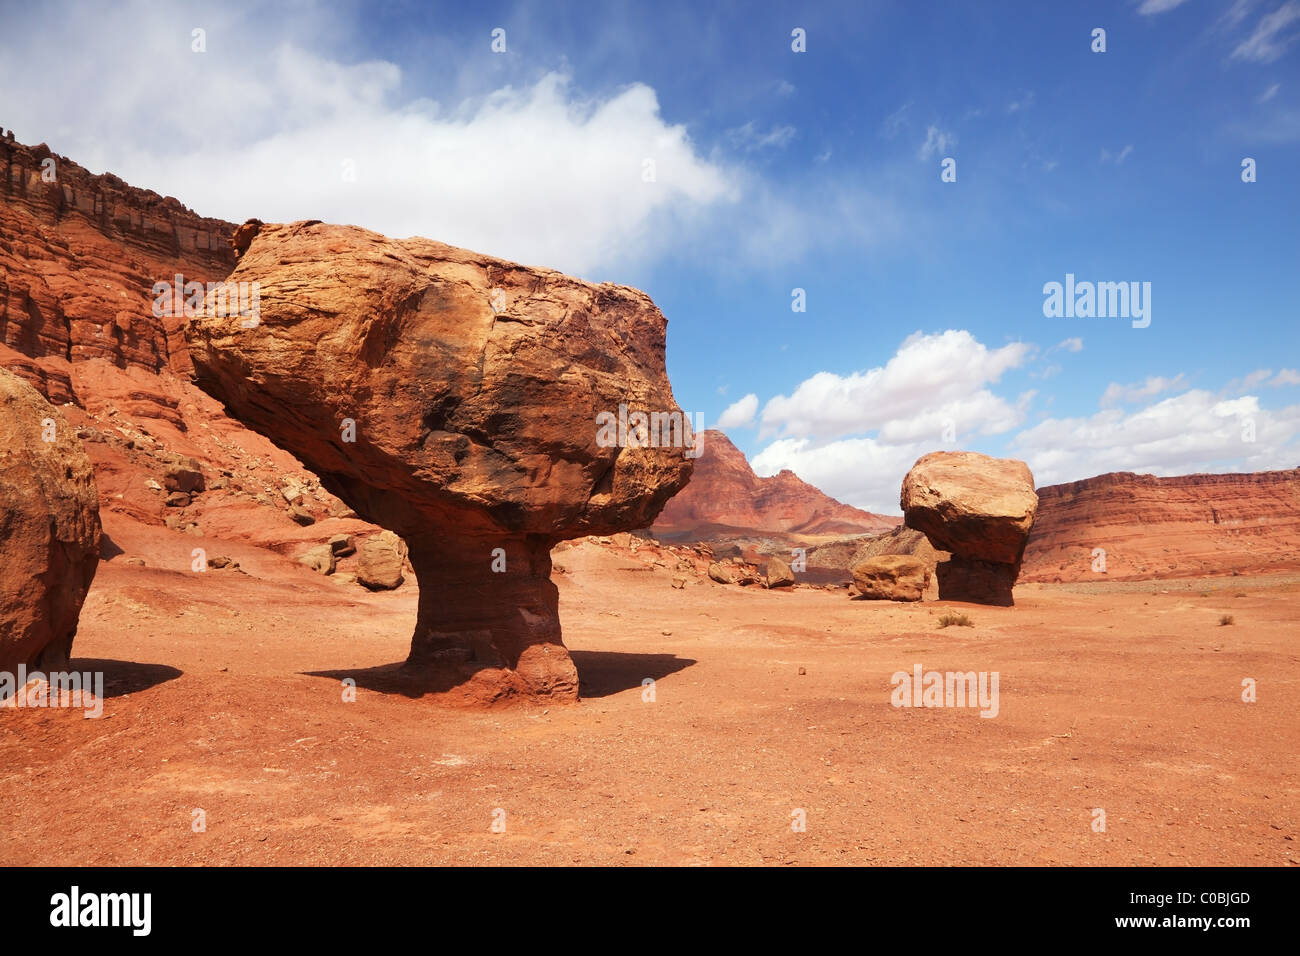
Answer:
x=452 y=398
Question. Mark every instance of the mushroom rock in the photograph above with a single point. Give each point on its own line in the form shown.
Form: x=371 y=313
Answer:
x=466 y=404
x=49 y=529
x=980 y=509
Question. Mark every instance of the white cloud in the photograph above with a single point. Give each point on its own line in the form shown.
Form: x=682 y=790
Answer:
x=740 y=413
x=1269 y=93
x=539 y=172
x=895 y=121
x=1152 y=7
x=862 y=472
x=750 y=139
x=931 y=378
x=1264 y=45
x=1155 y=384
x=936 y=143
x=1288 y=376
x=1026 y=101
x=1073 y=344
x=1192 y=432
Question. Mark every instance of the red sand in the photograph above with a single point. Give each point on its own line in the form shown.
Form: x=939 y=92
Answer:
x=225 y=694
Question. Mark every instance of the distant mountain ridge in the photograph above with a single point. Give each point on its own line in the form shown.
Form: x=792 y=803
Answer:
x=725 y=494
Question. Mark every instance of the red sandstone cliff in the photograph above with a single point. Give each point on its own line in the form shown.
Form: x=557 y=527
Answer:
x=725 y=495
x=1165 y=527
x=78 y=260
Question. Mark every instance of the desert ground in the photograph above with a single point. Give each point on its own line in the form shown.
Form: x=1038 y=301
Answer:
x=224 y=693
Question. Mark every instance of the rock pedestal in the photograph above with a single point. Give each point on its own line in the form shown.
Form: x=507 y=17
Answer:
x=49 y=530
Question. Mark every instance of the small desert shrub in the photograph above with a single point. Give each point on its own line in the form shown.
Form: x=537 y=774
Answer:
x=1225 y=619
x=961 y=620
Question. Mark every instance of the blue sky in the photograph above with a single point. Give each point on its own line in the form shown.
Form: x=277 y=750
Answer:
x=776 y=170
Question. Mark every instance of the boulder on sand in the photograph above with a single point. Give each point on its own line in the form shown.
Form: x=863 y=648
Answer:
x=779 y=574
x=49 y=530
x=892 y=577
x=379 y=565
x=481 y=410
x=979 y=508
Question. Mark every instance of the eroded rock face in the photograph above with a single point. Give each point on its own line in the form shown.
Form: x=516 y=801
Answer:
x=892 y=577
x=49 y=529
x=453 y=399
x=980 y=509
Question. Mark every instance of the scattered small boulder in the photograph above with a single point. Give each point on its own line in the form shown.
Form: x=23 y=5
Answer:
x=722 y=573
x=184 y=475
x=220 y=561
x=779 y=574
x=178 y=499
x=891 y=577
x=301 y=515
x=320 y=559
x=379 y=562
x=343 y=545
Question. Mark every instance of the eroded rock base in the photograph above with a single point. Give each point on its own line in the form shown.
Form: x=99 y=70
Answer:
x=976 y=581
x=489 y=618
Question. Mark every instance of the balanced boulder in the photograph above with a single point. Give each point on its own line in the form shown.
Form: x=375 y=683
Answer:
x=49 y=530
x=980 y=509
x=481 y=410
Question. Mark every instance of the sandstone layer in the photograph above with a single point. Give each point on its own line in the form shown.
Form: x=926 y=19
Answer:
x=1123 y=526
x=80 y=256
x=979 y=508
x=454 y=399
x=49 y=529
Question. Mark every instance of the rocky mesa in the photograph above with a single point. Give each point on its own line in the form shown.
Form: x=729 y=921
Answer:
x=1124 y=526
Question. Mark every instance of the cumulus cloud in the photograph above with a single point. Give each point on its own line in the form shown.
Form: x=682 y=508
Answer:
x=740 y=413
x=932 y=393
x=931 y=378
x=863 y=472
x=1192 y=432
x=538 y=172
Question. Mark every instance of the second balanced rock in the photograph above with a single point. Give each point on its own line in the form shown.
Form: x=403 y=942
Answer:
x=980 y=509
